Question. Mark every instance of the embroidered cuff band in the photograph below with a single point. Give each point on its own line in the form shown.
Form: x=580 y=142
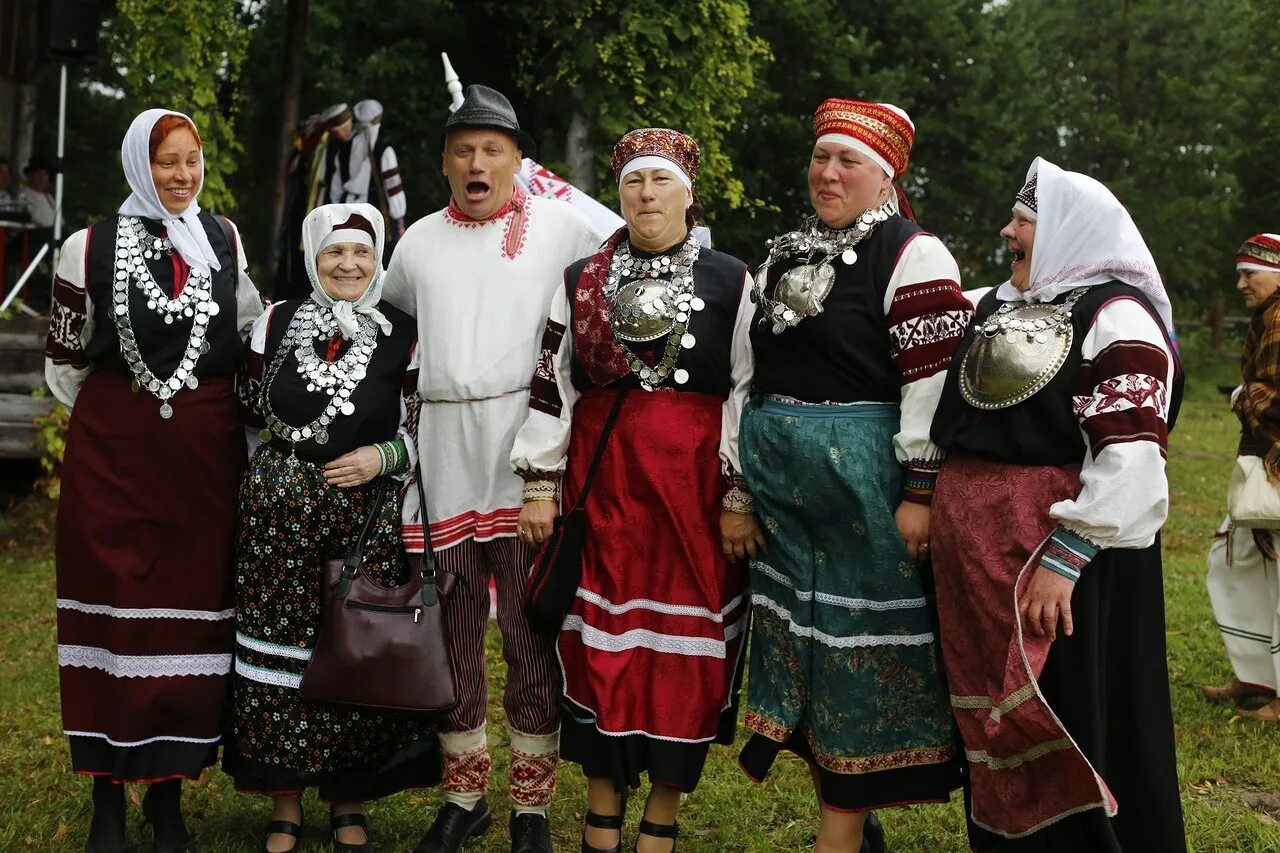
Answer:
x=541 y=490
x=917 y=485
x=1067 y=554
x=393 y=456
x=738 y=500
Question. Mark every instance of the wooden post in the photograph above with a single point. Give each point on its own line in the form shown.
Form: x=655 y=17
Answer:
x=295 y=40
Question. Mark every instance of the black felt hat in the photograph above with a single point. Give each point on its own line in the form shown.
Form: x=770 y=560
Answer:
x=485 y=108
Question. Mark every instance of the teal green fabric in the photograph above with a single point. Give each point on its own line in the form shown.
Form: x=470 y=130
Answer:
x=843 y=650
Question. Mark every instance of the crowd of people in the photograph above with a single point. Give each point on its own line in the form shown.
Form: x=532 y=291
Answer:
x=920 y=524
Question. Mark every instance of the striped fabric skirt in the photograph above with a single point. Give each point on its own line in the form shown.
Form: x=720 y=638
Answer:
x=844 y=666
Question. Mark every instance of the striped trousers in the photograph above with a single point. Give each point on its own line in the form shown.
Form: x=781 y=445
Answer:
x=531 y=697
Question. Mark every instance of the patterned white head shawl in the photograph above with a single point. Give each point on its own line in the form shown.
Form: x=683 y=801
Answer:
x=184 y=229
x=1084 y=236
x=318 y=231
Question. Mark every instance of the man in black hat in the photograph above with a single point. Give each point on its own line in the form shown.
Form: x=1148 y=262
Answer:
x=479 y=276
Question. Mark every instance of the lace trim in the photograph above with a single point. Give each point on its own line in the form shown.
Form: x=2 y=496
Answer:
x=108 y=739
x=143 y=666
x=859 y=641
x=838 y=600
x=643 y=638
x=1147 y=275
x=267 y=676
x=145 y=612
x=658 y=606
x=263 y=647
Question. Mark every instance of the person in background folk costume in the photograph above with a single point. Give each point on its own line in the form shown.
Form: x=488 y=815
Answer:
x=662 y=601
x=315 y=144
x=1242 y=580
x=859 y=311
x=479 y=276
x=1046 y=546
x=333 y=383
x=151 y=309
x=367 y=171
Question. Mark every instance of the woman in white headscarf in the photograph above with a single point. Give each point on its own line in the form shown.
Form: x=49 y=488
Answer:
x=1046 y=534
x=332 y=382
x=146 y=337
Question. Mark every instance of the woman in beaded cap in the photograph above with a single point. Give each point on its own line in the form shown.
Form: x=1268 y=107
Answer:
x=859 y=310
x=150 y=310
x=332 y=383
x=1055 y=418
x=661 y=604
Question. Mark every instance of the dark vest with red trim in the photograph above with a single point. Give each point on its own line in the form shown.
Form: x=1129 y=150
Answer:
x=718 y=280
x=843 y=354
x=1043 y=429
x=162 y=345
x=376 y=397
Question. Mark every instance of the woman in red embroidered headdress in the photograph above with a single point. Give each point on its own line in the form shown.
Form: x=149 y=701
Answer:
x=146 y=336
x=1242 y=575
x=651 y=648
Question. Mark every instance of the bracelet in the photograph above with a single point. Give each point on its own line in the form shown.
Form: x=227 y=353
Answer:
x=738 y=500
x=393 y=456
x=382 y=458
x=541 y=490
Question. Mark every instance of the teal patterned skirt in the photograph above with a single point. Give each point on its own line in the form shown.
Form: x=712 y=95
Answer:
x=844 y=667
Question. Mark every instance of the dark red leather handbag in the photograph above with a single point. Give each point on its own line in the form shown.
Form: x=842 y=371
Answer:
x=383 y=647
x=554 y=580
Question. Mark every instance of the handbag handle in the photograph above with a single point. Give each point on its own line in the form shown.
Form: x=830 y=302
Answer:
x=600 y=447
x=430 y=594
x=351 y=565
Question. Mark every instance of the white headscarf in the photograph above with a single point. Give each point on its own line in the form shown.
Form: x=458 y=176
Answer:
x=366 y=114
x=184 y=230
x=1084 y=236
x=319 y=230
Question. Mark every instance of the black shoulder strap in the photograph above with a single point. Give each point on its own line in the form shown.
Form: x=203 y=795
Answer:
x=600 y=446
x=351 y=565
x=224 y=225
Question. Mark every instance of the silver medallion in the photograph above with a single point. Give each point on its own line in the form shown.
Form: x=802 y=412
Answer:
x=166 y=411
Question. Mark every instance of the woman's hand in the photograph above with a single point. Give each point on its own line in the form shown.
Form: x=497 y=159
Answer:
x=1048 y=596
x=355 y=468
x=913 y=525
x=536 y=521
x=740 y=535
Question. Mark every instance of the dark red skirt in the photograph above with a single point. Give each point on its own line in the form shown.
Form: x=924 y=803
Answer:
x=145 y=547
x=659 y=608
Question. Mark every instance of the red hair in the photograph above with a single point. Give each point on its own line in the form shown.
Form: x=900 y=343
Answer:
x=167 y=125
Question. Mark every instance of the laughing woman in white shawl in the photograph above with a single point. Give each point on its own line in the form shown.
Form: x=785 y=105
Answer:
x=145 y=340
x=333 y=381
x=1046 y=521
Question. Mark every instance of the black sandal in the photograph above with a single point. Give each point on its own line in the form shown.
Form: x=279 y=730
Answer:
x=659 y=830
x=342 y=821
x=601 y=821
x=284 y=827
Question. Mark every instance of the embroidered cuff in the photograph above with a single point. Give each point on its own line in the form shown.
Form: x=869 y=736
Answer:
x=917 y=485
x=738 y=499
x=541 y=490
x=393 y=455
x=1067 y=554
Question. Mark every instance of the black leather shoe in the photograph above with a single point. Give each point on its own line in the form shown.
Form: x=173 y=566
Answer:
x=337 y=822
x=454 y=826
x=530 y=833
x=173 y=836
x=659 y=830
x=873 y=836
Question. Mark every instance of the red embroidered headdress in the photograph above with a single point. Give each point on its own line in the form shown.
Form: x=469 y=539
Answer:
x=1260 y=252
x=669 y=145
x=881 y=131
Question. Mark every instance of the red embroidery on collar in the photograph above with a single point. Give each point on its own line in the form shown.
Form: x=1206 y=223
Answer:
x=595 y=346
x=517 y=224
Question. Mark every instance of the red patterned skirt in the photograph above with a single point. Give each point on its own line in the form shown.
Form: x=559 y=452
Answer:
x=144 y=548
x=651 y=646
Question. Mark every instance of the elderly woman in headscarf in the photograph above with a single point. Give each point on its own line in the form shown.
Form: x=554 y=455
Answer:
x=651 y=648
x=145 y=340
x=1046 y=534
x=859 y=310
x=1243 y=584
x=333 y=379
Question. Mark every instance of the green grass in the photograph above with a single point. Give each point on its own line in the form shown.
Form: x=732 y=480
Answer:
x=1229 y=769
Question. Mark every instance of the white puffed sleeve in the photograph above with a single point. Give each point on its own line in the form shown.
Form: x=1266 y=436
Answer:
x=70 y=323
x=543 y=441
x=742 y=365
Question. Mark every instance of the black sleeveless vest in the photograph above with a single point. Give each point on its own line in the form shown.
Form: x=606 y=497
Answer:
x=162 y=345
x=843 y=354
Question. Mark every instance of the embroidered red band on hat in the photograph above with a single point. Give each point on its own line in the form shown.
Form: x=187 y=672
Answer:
x=670 y=145
x=357 y=229
x=884 y=129
x=1260 y=252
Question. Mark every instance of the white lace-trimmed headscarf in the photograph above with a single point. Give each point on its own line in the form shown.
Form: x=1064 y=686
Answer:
x=340 y=223
x=367 y=114
x=183 y=229
x=1084 y=236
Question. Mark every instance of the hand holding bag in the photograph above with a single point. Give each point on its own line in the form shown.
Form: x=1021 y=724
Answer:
x=553 y=583
x=1253 y=500
x=383 y=647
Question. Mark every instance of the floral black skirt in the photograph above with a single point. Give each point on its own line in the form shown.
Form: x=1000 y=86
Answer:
x=291 y=520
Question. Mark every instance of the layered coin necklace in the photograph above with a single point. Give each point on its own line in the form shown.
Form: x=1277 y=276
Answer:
x=134 y=247
x=801 y=289
x=311 y=324
x=652 y=297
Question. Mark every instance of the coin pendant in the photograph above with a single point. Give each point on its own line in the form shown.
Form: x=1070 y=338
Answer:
x=166 y=411
x=849 y=256
x=322 y=437
x=264 y=435
x=687 y=341
x=682 y=376
x=348 y=408
x=192 y=382
x=697 y=303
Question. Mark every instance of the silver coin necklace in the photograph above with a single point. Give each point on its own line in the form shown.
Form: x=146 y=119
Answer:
x=134 y=247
